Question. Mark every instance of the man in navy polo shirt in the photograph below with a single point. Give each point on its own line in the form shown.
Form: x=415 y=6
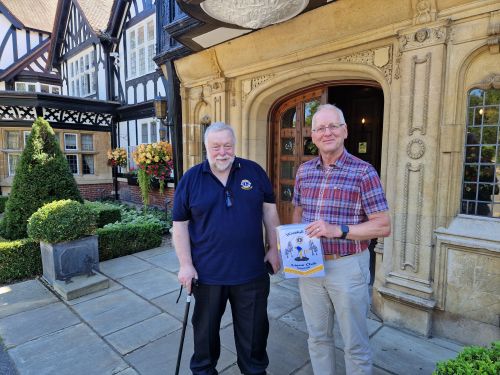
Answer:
x=219 y=208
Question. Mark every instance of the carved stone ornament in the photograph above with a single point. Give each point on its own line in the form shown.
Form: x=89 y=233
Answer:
x=492 y=81
x=248 y=85
x=423 y=38
x=381 y=58
x=415 y=149
x=253 y=14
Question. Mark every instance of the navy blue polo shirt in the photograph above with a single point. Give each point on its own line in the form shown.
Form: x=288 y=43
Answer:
x=225 y=222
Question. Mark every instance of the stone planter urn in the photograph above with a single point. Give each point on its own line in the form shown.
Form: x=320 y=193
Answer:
x=64 y=260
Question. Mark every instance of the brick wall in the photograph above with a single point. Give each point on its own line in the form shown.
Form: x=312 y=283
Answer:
x=132 y=193
x=92 y=192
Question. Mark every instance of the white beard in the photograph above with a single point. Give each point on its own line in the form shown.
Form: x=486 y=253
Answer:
x=221 y=164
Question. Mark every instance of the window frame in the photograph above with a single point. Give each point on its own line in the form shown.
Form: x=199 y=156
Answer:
x=82 y=74
x=140 y=53
x=77 y=163
x=11 y=173
x=76 y=142
x=479 y=194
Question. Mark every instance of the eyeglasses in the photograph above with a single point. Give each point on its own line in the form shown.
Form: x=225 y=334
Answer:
x=331 y=127
x=229 y=198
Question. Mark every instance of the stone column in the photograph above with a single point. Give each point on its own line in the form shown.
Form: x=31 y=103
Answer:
x=420 y=67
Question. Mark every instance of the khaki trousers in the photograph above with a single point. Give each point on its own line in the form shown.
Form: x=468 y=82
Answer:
x=343 y=291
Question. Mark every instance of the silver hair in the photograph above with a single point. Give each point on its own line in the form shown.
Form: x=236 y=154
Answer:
x=328 y=107
x=218 y=127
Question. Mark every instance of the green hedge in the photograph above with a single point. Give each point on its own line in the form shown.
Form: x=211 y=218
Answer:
x=63 y=220
x=3 y=201
x=473 y=360
x=19 y=259
x=106 y=213
x=122 y=239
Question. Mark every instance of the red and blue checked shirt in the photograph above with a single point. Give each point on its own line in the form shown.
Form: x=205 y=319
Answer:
x=342 y=193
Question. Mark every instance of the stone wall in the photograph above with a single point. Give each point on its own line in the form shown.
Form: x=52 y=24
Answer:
x=425 y=55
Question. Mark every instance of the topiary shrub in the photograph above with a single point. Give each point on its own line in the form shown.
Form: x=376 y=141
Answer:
x=116 y=240
x=42 y=176
x=3 y=202
x=19 y=260
x=61 y=221
x=472 y=360
x=106 y=213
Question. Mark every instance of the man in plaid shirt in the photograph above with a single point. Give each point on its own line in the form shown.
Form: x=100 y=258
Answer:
x=341 y=199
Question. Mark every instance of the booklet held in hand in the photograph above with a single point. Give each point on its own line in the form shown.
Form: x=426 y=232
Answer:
x=301 y=255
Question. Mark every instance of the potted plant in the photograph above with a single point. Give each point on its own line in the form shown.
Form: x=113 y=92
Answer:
x=65 y=230
x=131 y=176
x=117 y=157
x=154 y=161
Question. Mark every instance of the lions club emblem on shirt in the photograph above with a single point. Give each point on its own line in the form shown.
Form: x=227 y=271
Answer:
x=246 y=185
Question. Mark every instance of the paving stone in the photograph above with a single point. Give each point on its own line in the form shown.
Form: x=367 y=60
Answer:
x=281 y=361
x=24 y=296
x=75 y=350
x=292 y=284
x=166 y=261
x=6 y=365
x=151 y=252
x=167 y=303
x=160 y=356
x=339 y=368
x=281 y=300
x=113 y=287
x=127 y=371
x=28 y=325
x=142 y=333
x=115 y=311
x=295 y=319
x=151 y=283
x=403 y=353
x=123 y=266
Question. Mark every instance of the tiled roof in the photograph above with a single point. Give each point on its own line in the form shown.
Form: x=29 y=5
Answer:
x=97 y=13
x=38 y=15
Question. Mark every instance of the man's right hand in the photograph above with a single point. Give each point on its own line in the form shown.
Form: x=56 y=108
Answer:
x=186 y=275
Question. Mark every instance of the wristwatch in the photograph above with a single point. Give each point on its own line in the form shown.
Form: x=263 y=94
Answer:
x=345 y=230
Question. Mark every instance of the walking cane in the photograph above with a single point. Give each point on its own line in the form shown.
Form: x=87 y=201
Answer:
x=194 y=283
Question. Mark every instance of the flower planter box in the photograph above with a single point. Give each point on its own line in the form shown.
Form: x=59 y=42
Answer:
x=62 y=261
x=132 y=180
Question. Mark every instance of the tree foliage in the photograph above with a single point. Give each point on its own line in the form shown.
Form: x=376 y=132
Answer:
x=42 y=176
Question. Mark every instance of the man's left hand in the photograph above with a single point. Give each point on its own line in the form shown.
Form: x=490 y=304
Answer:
x=321 y=228
x=273 y=257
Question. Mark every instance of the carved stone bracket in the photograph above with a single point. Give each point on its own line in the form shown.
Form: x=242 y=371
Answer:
x=248 y=85
x=425 y=105
x=424 y=37
x=424 y=11
x=410 y=251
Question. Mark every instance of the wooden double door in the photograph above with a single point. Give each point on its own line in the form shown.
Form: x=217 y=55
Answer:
x=362 y=105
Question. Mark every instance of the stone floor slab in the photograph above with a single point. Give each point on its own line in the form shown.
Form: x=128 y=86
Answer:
x=27 y=325
x=24 y=296
x=151 y=252
x=167 y=304
x=403 y=353
x=113 y=287
x=115 y=311
x=295 y=319
x=292 y=284
x=151 y=283
x=127 y=371
x=142 y=333
x=281 y=300
x=167 y=261
x=160 y=356
x=123 y=266
x=76 y=350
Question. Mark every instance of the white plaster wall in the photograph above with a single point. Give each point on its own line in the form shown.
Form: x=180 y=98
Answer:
x=160 y=87
x=22 y=48
x=123 y=139
x=130 y=95
x=34 y=41
x=7 y=57
x=150 y=90
x=140 y=93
